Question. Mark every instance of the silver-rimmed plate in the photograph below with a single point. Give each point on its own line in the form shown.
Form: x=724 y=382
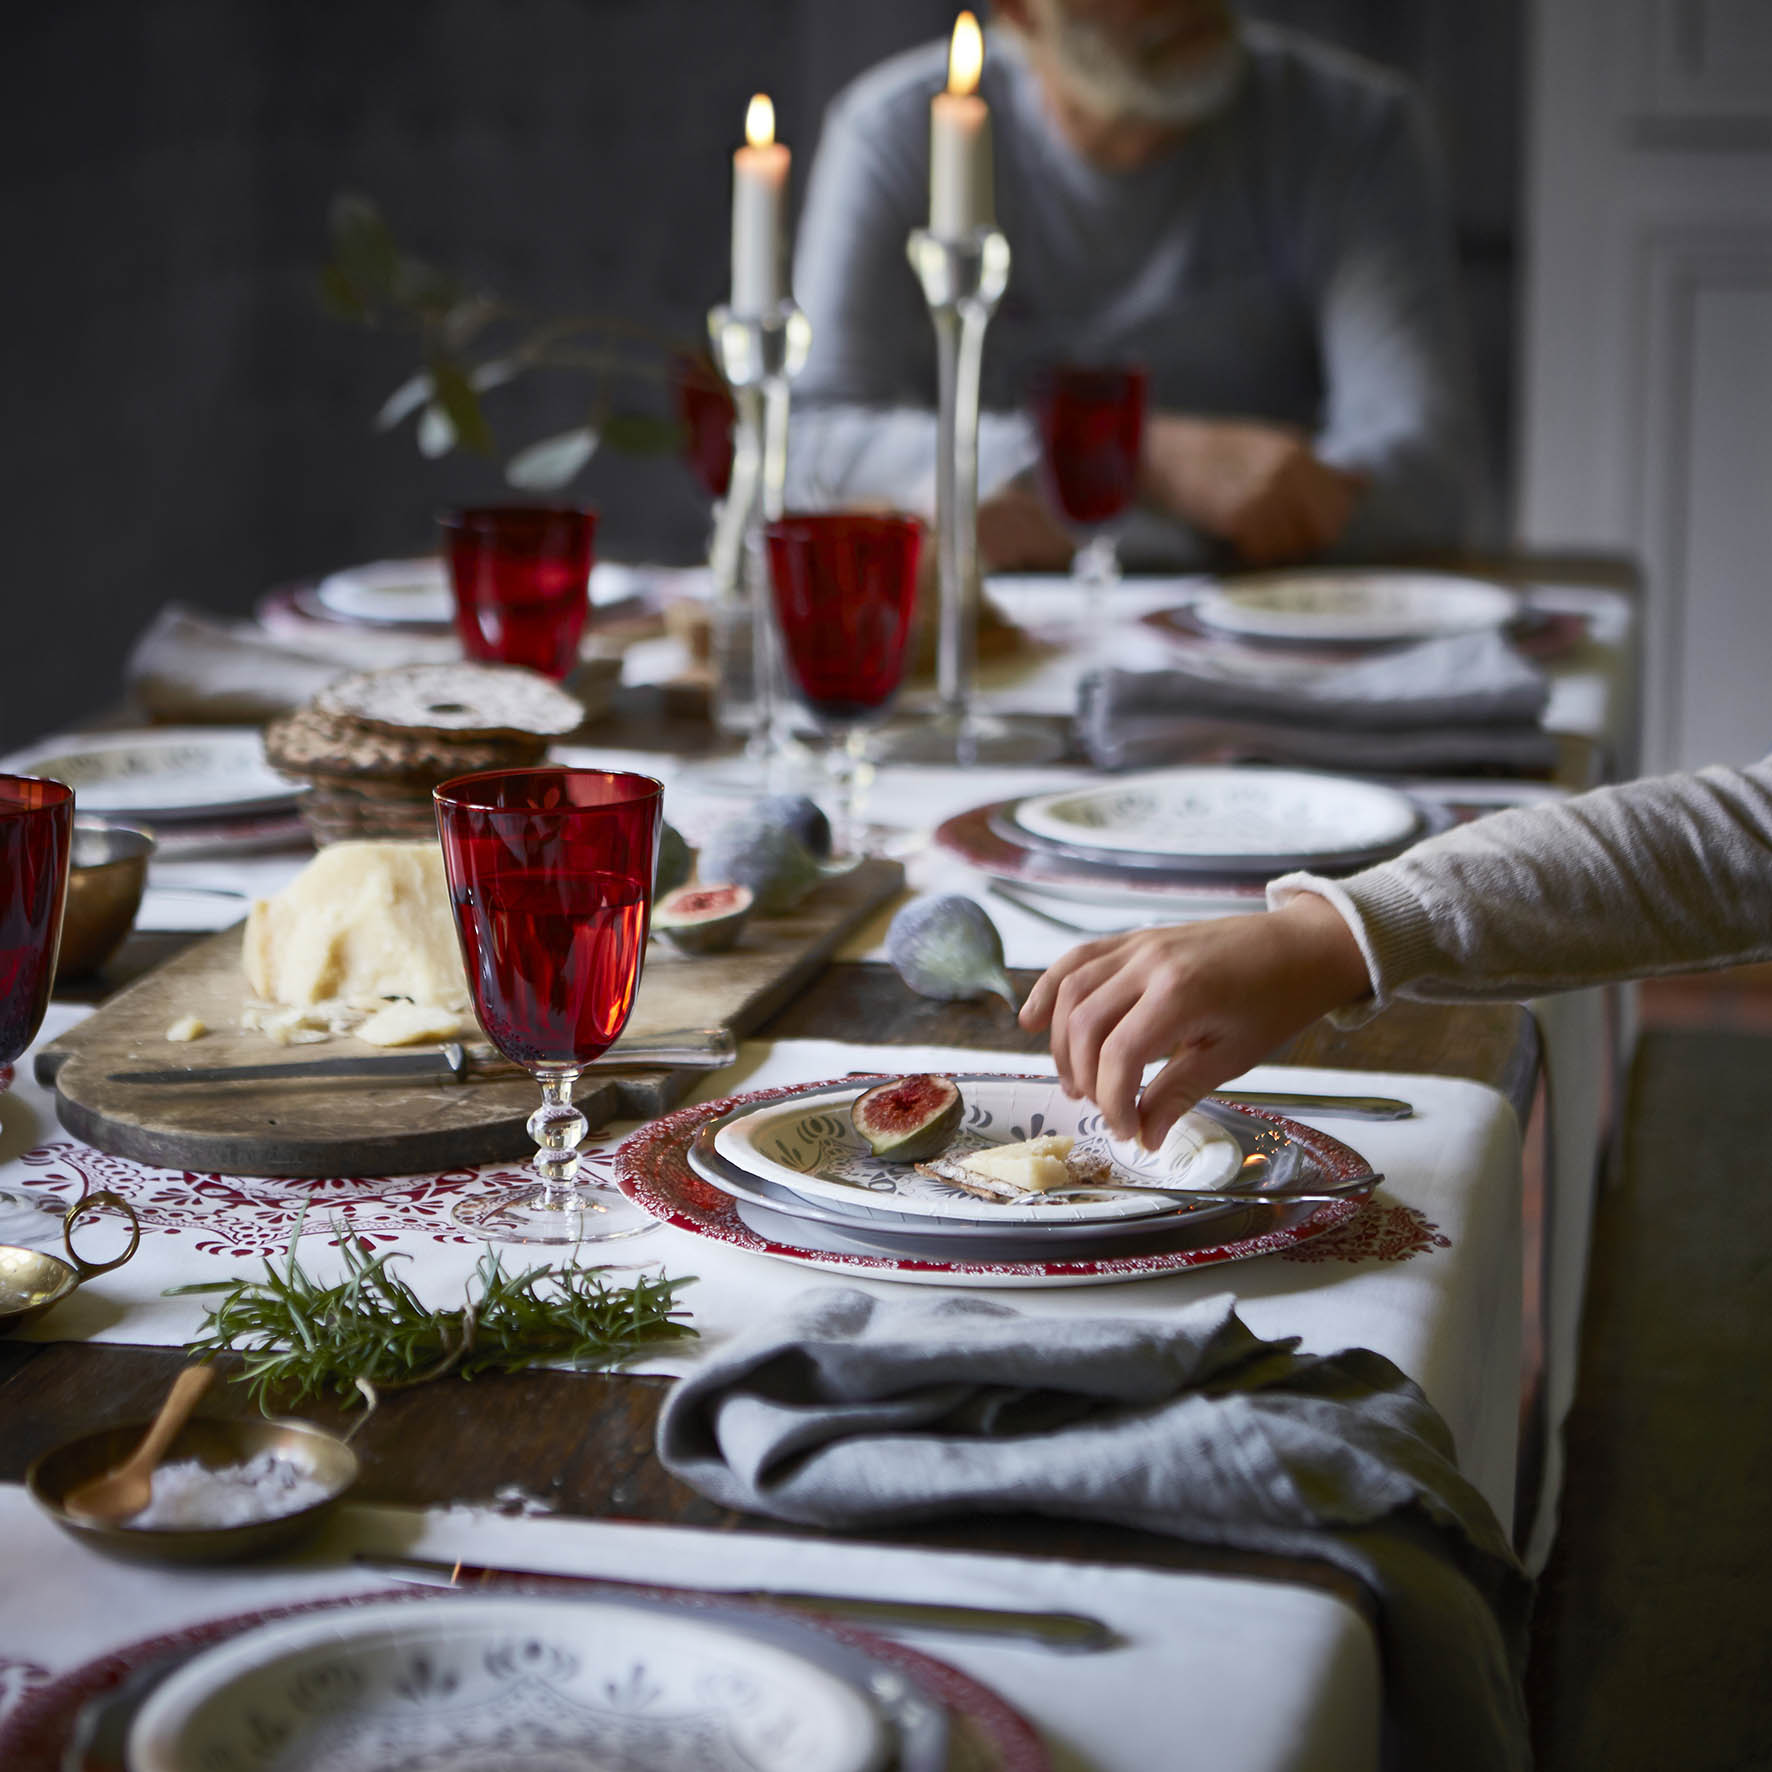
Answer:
x=169 y=773
x=1354 y=606
x=457 y=1685
x=1224 y=820
x=808 y=1144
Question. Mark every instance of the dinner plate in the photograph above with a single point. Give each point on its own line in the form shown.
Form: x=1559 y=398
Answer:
x=80 y=1720
x=389 y=593
x=920 y=1235
x=983 y=839
x=1358 y=607
x=458 y=1685
x=653 y=1170
x=1226 y=820
x=170 y=773
x=808 y=1144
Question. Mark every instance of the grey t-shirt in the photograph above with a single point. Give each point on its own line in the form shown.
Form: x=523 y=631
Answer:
x=1290 y=260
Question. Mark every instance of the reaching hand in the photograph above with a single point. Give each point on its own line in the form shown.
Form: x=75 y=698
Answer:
x=1255 y=485
x=1213 y=998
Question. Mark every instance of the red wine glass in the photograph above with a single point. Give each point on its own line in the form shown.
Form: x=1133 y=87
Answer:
x=550 y=877
x=706 y=413
x=845 y=586
x=36 y=841
x=1091 y=430
x=521 y=576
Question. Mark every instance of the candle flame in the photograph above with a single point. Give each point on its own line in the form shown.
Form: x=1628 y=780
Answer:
x=759 y=121
x=965 y=55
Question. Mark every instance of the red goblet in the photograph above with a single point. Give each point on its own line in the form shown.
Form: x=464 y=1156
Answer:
x=521 y=576
x=706 y=411
x=36 y=840
x=550 y=876
x=845 y=587
x=1091 y=429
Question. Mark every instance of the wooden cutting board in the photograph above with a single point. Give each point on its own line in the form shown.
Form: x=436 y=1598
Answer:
x=349 y=1128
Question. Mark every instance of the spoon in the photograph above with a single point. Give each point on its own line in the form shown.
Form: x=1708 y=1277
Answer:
x=120 y=1494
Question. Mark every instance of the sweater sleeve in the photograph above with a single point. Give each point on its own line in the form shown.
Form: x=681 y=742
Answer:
x=1668 y=874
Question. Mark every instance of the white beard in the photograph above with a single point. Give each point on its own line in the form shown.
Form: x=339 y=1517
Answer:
x=1101 y=79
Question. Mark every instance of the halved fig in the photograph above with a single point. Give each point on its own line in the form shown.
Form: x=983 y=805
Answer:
x=702 y=919
x=908 y=1118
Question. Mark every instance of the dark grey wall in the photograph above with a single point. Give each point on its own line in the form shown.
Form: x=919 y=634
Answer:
x=181 y=420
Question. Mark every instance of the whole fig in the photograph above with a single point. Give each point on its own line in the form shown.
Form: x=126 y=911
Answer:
x=672 y=867
x=949 y=949
x=801 y=816
x=768 y=858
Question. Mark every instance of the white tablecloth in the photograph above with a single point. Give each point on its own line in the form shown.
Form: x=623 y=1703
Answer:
x=1252 y=1676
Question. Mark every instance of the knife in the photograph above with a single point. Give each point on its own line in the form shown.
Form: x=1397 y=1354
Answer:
x=700 y=1049
x=1071 y=1633
x=1324 y=1107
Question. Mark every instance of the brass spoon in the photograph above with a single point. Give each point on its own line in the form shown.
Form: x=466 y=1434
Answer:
x=122 y=1493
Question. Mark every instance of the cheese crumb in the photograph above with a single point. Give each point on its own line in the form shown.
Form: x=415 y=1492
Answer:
x=187 y=1027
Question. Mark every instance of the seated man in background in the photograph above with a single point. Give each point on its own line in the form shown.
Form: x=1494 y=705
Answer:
x=1253 y=216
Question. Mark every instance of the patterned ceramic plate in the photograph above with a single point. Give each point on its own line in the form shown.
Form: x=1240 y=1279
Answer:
x=170 y=773
x=921 y=1235
x=1355 y=607
x=653 y=1169
x=942 y=1718
x=809 y=1144
x=1228 y=819
x=524 y=1684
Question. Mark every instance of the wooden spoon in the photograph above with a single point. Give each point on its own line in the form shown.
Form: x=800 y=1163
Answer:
x=120 y=1494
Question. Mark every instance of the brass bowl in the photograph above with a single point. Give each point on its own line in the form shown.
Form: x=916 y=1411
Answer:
x=215 y=1444
x=106 y=875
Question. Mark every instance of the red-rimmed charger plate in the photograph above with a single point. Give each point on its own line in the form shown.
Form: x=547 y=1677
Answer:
x=652 y=1169
x=986 y=1731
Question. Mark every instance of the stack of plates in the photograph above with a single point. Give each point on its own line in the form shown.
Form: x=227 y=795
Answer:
x=201 y=789
x=786 y=1174
x=1184 y=840
x=448 y=1684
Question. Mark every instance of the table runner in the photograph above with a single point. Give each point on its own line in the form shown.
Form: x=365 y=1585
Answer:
x=1219 y=1672
x=1429 y=1276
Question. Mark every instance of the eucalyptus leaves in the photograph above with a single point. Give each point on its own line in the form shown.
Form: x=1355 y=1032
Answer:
x=471 y=342
x=300 y=1339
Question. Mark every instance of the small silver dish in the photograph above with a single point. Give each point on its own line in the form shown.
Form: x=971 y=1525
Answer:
x=107 y=874
x=215 y=1444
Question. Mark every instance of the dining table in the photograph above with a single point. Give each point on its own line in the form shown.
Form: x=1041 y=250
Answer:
x=1466 y=1269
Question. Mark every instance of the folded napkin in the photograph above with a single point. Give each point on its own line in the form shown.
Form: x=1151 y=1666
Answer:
x=855 y=1412
x=1457 y=702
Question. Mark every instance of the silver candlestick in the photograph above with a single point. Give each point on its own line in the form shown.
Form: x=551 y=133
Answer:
x=963 y=279
x=758 y=354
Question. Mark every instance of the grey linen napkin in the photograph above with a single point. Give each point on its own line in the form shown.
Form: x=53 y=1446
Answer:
x=854 y=1412
x=1464 y=700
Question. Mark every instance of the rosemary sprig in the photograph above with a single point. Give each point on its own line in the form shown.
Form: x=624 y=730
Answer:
x=300 y=1337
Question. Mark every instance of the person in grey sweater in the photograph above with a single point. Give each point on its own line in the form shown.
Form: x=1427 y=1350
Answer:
x=1667 y=874
x=1254 y=216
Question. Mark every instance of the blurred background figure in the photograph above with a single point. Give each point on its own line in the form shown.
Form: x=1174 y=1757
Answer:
x=1254 y=216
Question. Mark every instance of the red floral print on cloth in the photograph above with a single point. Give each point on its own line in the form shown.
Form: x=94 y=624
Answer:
x=1380 y=1233
x=5 y=1078
x=256 y=1215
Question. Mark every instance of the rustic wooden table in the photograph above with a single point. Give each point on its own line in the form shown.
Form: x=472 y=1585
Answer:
x=584 y=1441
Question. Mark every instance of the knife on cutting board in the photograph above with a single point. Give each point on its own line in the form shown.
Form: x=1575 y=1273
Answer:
x=701 y=1049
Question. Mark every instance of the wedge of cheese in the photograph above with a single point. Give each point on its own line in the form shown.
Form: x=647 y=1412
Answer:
x=1010 y=1171
x=364 y=923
